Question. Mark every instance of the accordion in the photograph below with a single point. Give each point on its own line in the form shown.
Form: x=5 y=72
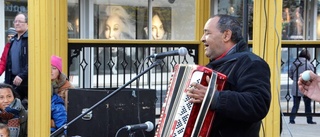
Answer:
x=179 y=117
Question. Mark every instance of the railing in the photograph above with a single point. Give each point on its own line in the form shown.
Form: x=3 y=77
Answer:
x=111 y=65
x=290 y=51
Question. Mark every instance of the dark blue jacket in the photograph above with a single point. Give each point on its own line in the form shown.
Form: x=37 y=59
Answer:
x=58 y=112
x=23 y=56
x=246 y=97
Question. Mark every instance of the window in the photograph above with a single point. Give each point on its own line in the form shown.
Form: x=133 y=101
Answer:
x=73 y=19
x=293 y=20
x=234 y=8
x=127 y=19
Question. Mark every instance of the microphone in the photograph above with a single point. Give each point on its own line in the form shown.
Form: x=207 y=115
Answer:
x=148 y=126
x=181 y=51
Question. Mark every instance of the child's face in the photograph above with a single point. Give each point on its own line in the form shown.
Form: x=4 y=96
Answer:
x=54 y=72
x=4 y=133
x=6 y=98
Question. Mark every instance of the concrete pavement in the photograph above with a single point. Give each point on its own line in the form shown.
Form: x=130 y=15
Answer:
x=301 y=128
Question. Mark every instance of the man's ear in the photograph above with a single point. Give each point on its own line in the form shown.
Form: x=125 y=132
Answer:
x=227 y=35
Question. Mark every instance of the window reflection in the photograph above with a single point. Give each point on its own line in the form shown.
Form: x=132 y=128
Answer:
x=296 y=25
x=293 y=21
x=73 y=32
x=73 y=20
x=318 y=21
x=235 y=8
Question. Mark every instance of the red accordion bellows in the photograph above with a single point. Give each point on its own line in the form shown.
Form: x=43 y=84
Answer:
x=179 y=117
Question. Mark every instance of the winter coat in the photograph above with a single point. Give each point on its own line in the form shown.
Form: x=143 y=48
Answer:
x=15 y=116
x=3 y=59
x=23 y=56
x=58 y=112
x=298 y=66
x=61 y=86
x=246 y=97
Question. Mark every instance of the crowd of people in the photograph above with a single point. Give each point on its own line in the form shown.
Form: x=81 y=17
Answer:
x=14 y=89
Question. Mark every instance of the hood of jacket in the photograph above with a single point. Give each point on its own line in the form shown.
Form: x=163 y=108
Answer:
x=55 y=99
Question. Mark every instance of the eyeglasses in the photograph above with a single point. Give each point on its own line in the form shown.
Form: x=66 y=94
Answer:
x=18 y=21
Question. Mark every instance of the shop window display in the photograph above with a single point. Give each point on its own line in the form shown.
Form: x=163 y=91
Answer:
x=124 y=23
x=117 y=23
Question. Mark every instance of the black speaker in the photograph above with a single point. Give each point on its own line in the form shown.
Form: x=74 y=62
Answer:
x=126 y=107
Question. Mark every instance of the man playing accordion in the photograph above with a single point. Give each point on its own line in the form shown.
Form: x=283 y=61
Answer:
x=245 y=99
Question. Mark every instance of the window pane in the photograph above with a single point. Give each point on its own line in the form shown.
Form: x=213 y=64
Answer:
x=293 y=23
x=318 y=20
x=127 y=19
x=234 y=8
x=73 y=19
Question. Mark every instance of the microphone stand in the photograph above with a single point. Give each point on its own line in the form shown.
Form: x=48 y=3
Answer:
x=59 y=131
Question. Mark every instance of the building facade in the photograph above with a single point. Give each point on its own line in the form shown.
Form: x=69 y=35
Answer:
x=161 y=21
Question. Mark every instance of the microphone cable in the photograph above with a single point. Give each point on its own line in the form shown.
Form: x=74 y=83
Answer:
x=119 y=131
x=140 y=69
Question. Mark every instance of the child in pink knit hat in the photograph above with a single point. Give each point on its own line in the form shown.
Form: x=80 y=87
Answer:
x=56 y=62
x=59 y=99
x=59 y=80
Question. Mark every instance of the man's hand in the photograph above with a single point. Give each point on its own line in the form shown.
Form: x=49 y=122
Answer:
x=310 y=88
x=197 y=91
x=17 y=81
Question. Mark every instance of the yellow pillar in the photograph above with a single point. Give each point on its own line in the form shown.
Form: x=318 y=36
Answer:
x=267 y=44
x=47 y=33
x=60 y=47
x=202 y=15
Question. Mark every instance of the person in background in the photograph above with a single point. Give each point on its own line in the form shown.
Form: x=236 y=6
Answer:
x=59 y=98
x=3 y=60
x=59 y=81
x=58 y=112
x=12 y=112
x=245 y=100
x=17 y=59
x=10 y=33
x=301 y=64
x=4 y=130
x=310 y=88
